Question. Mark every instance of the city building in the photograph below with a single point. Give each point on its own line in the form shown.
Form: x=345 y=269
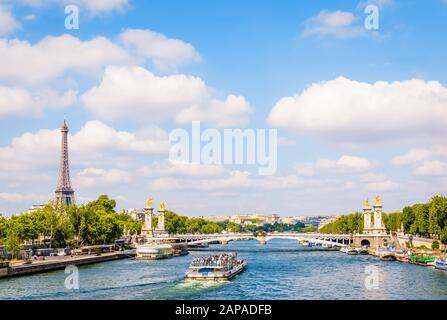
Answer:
x=314 y=221
x=327 y=220
x=217 y=218
x=292 y=220
x=36 y=207
x=137 y=214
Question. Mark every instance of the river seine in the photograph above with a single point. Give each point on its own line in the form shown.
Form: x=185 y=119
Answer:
x=280 y=270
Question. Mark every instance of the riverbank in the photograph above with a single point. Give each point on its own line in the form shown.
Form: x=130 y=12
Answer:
x=59 y=262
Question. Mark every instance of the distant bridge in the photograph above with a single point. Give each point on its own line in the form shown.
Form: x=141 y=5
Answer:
x=340 y=240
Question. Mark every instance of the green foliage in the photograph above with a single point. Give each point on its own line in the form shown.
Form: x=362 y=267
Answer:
x=435 y=245
x=392 y=221
x=93 y=223
x=347 y=224
x=443 y=235
x=12 y=241
x=281 y=227
x=437 y=215
x=427 y=218
x=408 y=218
x=3 y=228
x=310 y=229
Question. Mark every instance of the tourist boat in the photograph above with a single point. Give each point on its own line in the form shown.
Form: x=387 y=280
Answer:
x=386 y=254
x=216 y=268
x=199 y=245
x=422 y=260
x=363 y=251
x=352 y=251
x=401 y=256
x=154 y=252
x=441 y=264
x=390 y=256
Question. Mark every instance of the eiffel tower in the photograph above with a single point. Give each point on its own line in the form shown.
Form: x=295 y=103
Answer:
x=64 y=193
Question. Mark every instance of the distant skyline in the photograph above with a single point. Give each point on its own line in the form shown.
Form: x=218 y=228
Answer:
x=359 y=112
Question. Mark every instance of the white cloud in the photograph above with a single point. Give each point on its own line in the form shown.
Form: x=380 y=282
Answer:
x=94 y=145
x=372 y=177
x=378 y=3
x=155 y=98
x=93 y=7
x=94 y=177
x=96 y=137
x=18 y=198
x=233 y=111
x=165 y=53
x=56 y=56
x=234 y=180
x=17 y=101
x=425 y=162
x=345 y=164
x=339 y=24
x=100 y=6
x=351 y=112
x=383 y=185
x=29 y=17
x=8 y=22
x=434 y=168
x=180 y=169
x=413 y=156
x=53 y=57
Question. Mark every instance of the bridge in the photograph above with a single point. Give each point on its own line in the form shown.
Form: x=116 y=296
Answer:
x=330 y=240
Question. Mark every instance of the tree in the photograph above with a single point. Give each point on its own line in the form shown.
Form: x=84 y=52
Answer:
x=210 y=228
x=3 y=228
x=435 y=245
x=408 y=218
x=233 y=227
x=437 y=214
x=393 y=221
x=309 y=229
x=12 y=241
x=346 y=224
x=444 y=235
x=421 y=223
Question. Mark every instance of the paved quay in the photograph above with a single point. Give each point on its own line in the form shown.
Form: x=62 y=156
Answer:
x=58 y=262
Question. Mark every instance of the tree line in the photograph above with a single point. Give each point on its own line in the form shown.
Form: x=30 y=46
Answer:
x=93 y=223
x=424 y=219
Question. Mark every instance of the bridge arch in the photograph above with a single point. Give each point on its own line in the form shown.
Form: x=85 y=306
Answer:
x=365 y=243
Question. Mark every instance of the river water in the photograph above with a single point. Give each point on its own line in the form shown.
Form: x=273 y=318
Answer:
x=280 y=270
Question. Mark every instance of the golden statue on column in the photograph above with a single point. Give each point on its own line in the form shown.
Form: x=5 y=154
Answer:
x=148 y=210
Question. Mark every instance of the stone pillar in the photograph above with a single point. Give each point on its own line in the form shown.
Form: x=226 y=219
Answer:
x=147 y=228
x=378 y=224
x=161 y=220
x=367 y=217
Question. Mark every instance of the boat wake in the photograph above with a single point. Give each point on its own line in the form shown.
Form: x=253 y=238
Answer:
x=96 y=291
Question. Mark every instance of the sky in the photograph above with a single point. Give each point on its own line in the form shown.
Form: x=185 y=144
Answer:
x=359 y=112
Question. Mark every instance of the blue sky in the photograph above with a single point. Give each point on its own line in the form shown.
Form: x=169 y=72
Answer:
x=259 y=51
